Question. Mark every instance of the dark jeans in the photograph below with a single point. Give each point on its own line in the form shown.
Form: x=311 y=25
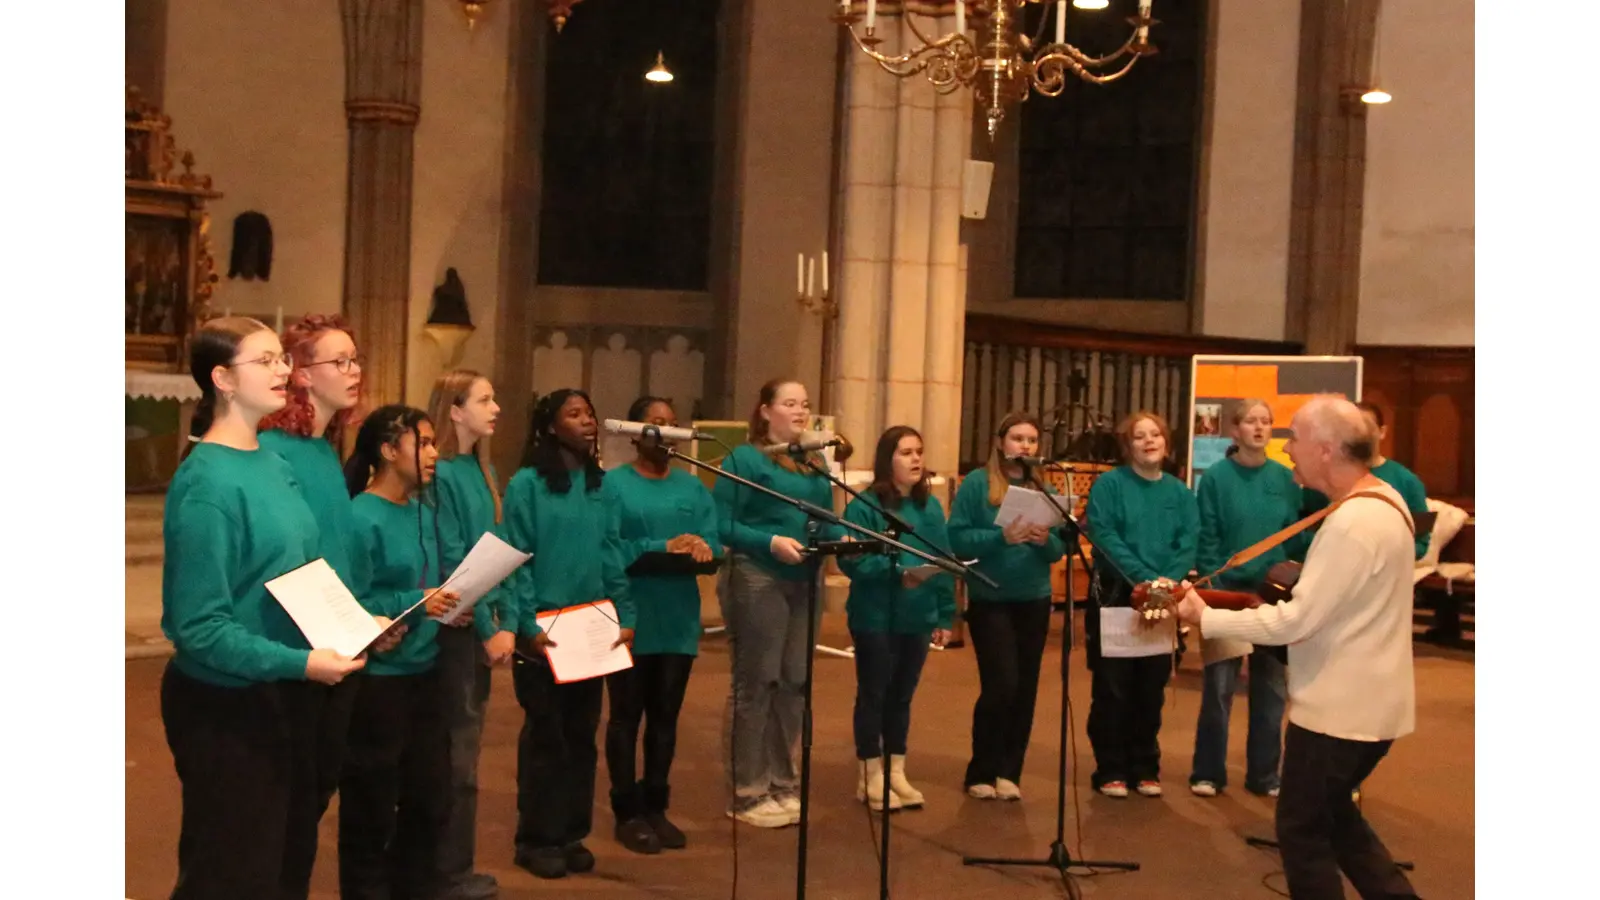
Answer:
x=888 y=667
x=319 y=723
x=1124 y=710
x=653 y=691
x=1321 y=830
x=235 y=759
x=464 y=681
x=556 y=754
x=1008 y=640
x=396 y=785
x=1264 y=742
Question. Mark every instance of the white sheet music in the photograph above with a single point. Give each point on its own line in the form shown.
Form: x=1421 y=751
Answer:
x=489 y=563
x=1031 y=506
x=584 y=637
x=1124 y=634
x=324 y=609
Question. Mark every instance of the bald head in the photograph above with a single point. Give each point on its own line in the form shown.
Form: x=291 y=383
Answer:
x=1334 y=422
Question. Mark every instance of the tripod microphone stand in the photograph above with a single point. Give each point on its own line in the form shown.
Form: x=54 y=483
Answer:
x=1059 y=858
x=816 y=549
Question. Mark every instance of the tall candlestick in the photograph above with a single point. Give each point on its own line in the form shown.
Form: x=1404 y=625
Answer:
x=961 y=17
x=1061 y=21
x=227 y=312
x=800 y=274
x=872 y=14
x=824 y=273
x=811 y=278
x=279 y=326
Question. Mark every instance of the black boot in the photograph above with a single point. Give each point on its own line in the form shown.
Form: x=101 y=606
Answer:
x=632 y=830
x=655 y=814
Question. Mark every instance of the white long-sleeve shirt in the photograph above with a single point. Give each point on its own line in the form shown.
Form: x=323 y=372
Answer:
x=1348 y=625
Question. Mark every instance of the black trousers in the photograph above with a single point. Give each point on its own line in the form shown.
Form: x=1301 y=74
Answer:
x=319 y=723
x=1124 y=710
x=556 y=755
x=1321 y=830
x=1008 y=640
x=653 y=690
x=394 y=793
x=236 y=758
x=888 y=667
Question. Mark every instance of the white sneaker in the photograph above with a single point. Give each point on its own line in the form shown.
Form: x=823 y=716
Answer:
x=1149 y=788
x=1005 y=789
x=1203 y=789
x=870 y=787
x=1273 y=793
x=981 y=791
x=789 y=800
x=1117 y=789
x=769 y=813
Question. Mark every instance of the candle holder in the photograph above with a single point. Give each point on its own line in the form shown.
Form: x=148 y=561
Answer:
x=821 y=304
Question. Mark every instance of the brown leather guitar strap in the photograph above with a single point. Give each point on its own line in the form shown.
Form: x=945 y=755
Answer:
x=1267 y=543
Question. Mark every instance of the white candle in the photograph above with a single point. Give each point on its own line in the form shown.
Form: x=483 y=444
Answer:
x=1144 y=7
x=824 y=273
x=279 y=327
x=1061 y=21
x=811 y=278
x=872 y=14
x=961 y=17
x=800 y=274
x=227 y=312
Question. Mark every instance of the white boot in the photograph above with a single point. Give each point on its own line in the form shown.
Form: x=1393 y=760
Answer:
x=870 y=788
x=898 y=784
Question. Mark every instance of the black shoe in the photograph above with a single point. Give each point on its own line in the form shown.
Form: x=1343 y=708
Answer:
x=578 y=858
x=637 y=835
x=669 y=835
x=545 y=862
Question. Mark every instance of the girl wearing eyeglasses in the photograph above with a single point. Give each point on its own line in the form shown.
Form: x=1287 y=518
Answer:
x=234 y=520
x=307 y=431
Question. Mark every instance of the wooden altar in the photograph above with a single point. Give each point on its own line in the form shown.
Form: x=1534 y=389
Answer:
x=170 y=271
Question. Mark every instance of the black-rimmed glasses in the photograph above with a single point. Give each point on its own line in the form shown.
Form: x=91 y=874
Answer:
x=267 y=361
x=343 y=364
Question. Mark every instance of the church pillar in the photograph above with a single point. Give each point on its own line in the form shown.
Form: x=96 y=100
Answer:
x=383 y=74
x=902 y=298
x=1329 y=174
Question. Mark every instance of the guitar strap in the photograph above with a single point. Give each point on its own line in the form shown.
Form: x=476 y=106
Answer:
x=1267 y=543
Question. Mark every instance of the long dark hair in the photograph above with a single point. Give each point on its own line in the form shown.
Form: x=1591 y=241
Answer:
x=883 y=485
x=542 y=453
x=215 y=344
x=384 y=427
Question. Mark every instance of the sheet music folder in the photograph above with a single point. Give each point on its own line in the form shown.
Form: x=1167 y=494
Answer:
x=657 y=563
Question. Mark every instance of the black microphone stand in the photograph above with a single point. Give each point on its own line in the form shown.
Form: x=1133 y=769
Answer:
x=816 y=549
x=1059 y=858
x=897 y=527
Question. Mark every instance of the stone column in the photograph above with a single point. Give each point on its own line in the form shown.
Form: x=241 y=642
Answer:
x=1329 y=175
x=947 y=297
x=383 y=75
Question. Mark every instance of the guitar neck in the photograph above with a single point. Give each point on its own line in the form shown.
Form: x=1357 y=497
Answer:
x=1219 y=599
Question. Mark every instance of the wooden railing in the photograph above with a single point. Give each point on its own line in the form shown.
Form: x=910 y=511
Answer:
x=1089 y=378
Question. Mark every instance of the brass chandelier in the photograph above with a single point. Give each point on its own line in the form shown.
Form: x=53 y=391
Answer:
x=999 y=63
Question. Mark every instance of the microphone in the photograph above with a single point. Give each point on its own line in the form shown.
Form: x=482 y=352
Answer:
x=1028 y=462
x=813 y=441
x=645 y=430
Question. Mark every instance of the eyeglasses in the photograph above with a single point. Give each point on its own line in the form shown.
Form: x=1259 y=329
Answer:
x=343 y=363
x=267 y=361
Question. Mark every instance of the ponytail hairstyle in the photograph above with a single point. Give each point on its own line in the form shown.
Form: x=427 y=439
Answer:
x=215 y=344
x=883 y=486
x=998 y=483
x=451 y=390
x=542 y=453
x=384 y=428
x=300 y=342
x=759 y=428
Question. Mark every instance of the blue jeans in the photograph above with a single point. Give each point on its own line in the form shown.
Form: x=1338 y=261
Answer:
x=888 y=667
x=1263 y=744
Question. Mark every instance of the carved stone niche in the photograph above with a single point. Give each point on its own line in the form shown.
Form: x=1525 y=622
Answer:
x=170 y=271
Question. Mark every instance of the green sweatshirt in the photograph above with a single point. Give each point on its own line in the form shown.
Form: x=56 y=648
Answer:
x=749 y=519
x=575 y=546
x=466 y=511
x=234 y=520
x=1240 y=505
x=929 y=605
x=1397 y=476
x=405 y=560
x=1142 y=530
x=652 y=511
x=1022 y=570
x=316 y=466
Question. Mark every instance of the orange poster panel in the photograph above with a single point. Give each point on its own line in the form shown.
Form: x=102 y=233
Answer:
x=1252 y=381
x=1284 y=408
x=1215 y=380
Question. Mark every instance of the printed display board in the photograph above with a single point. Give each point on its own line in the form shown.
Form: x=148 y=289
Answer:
x=1220 y=383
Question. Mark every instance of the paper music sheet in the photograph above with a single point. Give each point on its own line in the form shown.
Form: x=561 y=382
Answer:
x=1124 y=634
x=583 y=637
x=489 y=563
x=324 y=609
x=1031 y=506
